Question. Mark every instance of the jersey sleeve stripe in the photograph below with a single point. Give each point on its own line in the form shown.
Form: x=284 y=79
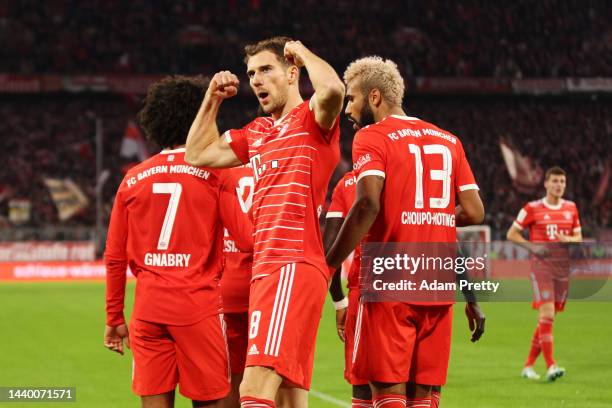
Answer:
x=517 y=225
x=466 y=187
x=335 y=214
x=577 y=229
x=366 y=173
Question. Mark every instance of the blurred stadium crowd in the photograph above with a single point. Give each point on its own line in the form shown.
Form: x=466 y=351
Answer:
x=53 y=135
x=521 y=38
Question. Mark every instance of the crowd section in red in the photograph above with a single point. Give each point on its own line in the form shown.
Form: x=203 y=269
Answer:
x=54 y=137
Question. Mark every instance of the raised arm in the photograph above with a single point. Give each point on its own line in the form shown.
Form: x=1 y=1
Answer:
x=329 y=89
x=204 y=145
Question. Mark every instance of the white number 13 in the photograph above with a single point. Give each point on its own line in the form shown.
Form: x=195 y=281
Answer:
x=175 y=190
x=443 y=175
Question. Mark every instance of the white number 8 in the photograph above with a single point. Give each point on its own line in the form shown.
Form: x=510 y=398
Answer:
x=254 y=325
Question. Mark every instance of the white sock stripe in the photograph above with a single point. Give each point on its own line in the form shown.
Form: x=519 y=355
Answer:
x=421 y=403
x=224 y=331
x=384 y=401
x=279 y=312
x=270 y=328
x=286 y=307
x=361 y=403
x=357 y=330
x=380 y=403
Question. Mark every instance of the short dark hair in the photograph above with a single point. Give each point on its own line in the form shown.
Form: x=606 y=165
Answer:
x=555 y=170
x=170 y=107
x=275 y=45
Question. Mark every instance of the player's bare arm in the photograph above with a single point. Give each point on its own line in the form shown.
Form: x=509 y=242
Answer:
x=476 y=320
x=241 y=230
x=204 y=145
x=470 y=210
x=360 y=218
x=332 y=228
x=329 y=89
x=515 y=235
x=575 y=237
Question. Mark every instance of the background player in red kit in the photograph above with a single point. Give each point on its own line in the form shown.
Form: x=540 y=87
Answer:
x=401 y=164
x=237 y=187
x=346 y=308
x=549 y=220
x=165 y=225
x=293 y=153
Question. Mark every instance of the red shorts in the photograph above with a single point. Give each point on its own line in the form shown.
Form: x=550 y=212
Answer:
x=195 y=357
x=237 y=338
x=349 y=343
x=284 y=311
x=549 y=288
x=398 y=343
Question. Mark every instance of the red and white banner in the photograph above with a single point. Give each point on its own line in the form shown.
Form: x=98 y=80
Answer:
x=133 y=144
x=537 y=86
x=53 y=271
x=41 y=251
x=526 y=175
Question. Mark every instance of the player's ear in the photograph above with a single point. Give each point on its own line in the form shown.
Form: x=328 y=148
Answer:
x=375 y=97
x=293 y=74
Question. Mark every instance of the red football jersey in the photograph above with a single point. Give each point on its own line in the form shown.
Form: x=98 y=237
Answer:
x=342 y=201
x=237 y=188
x=544 y=220
x=292 y=160
x=424 y=168
x=165 y=225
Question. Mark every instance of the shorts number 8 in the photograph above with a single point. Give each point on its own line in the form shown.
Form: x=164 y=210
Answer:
x=254 y=325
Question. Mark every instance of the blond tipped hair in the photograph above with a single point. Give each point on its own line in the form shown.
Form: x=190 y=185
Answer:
x=375 y=72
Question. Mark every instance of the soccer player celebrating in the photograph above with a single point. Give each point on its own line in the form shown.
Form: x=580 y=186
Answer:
x=293 y=152
x=237 y=187
x=165 y=224
x=401 y=164
x=549 y=220
x=347 y=308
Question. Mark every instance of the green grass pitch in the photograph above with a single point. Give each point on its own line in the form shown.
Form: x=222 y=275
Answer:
x=52 y=336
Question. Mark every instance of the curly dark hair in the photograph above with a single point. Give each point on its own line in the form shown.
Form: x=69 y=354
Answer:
x=170 y=107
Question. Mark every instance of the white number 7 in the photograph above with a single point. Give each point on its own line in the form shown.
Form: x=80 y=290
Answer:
x=443 y=175
x=174 y=189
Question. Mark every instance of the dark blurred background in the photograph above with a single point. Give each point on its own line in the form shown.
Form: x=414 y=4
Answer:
x=535 y=76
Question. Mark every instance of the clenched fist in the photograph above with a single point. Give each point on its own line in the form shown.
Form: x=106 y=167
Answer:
x=223 y=85
x=294 y=50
